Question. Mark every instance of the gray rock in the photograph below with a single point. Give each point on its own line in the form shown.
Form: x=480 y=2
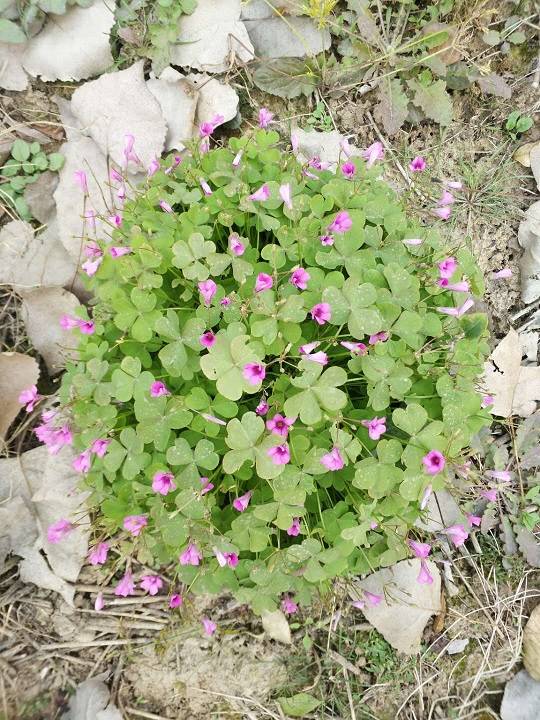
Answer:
x=521 y=700
x=39 y=196
x=298 y=37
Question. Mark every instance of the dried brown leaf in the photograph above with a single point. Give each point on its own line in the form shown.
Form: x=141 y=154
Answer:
x=17 y=373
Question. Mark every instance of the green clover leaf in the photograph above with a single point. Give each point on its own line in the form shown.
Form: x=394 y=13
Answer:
x=225 y=363
x=318 y=392
x=188 y=256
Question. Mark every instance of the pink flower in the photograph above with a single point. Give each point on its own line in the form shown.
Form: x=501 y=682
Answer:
x=241 y=503
x=474 y=520
x=348 y=170
x=447 y=267
x=99 y=447
x=263 y=282
x=457 y=312
x=434 y=462
x=237 y=159
x=443 y=212
x=262 y=408
x=191 y=555
x=378 y=337
x=213 y=419
x=237 y=248
x=117 y=251
x=58 y=530
x=417 y=164
x=356 y=348
x=294 y=142
x=151 y=583
x=208 y=289
x=153 y=167
x=294 y=529
x=345 y=147
x=502 y=274
x=341 y=223
x=333 y=460
x=230 y=559
x=376 y=427
x=299 y=278
x=68 y=323
x=207 y=190
x=82 y=462
x=121 y=194
x=502 y=475
x=126 y=586
x=165 y=206
x=490 y=495
x=288 y=605
x=207 y=128
x=129 y=142
x=454 y=184
x=413 y=241
x=262 y=194
x=207 y=339
x=175 y=601
x=318 y=164
x=159 y=389
x=425 y=497
x=420 y=550
x=90 y=267
x=98 y=554
x=424 y=576
x=90 y=216
x=116 y=220
x=285 y=195
x=280 y=425
x=265 y=118
x=207 y=485
x=279 y=454
x=318 y=357
x=321 y=313
x=80 y=178
x=225 y=301
x=87 y=327
x=163 y=483
x=462 y=286
x=99 y=603
x=115 y=176
x=446 y=199
x=29 y=398
x=254 y=373
x=487 y=400
x=135 y=523
x=373 y=153
x=92 y=250
x=327 y=240
x=209 y=626
x=457 y=534
x=372 y=598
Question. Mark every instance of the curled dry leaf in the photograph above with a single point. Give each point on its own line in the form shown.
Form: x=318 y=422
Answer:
x=295 y=37
x=42 y=310
x=531 y=644
x=215 y=98
x=117 y=104
x=406 y=605
x=12 y=74
x=493 y=84
x=521 y=699
x=92 y=701
x=210 y=40
x=37 y=489
x=39 y=196
x=529 y=240
x=325 y=145
x=17 y=373
x=178 y=101
x=28 y=261
x=72 y=46
x=276 y=626
x=523 y=154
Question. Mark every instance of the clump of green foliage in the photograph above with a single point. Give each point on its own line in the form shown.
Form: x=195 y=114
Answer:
x=21 y=20
x=149 y=316
x=24 y=166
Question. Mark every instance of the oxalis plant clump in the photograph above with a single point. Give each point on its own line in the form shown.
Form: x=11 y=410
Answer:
x=278 y=370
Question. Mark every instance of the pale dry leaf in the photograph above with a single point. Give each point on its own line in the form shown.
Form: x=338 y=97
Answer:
x=456 y=646
x=73 y=46
x=406 y=605
x=393 y=106
x=92 y=701
x=118 y=104
x=529 y=240
x=39 y=196
x=42 y=310
x=494 y=84
x=297 y=37
x=81 y=154
x=447 y=52
x=18 y=372
x=47 y=484
x=71 y=124
x=531 y=644
x=534 y=162
x=276 y=626
x=366 y=23
x=529 y=546
x=12 y=74
x=28 y=261
x=262 y=9
x=327 y=146
x=210 y=41
x=215 y=98
x=521 y=699
x=523 y=154
x=178 y=102
x=441 y=512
